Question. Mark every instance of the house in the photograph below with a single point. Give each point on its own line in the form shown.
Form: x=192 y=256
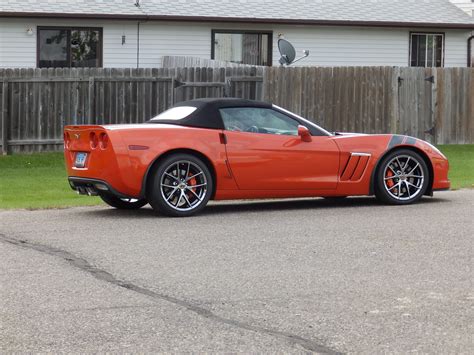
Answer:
x=138 y=33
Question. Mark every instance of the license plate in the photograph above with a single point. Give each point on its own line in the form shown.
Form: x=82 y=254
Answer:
x=80 y=160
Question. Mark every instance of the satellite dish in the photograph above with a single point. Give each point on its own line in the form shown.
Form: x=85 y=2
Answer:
x=288 y=52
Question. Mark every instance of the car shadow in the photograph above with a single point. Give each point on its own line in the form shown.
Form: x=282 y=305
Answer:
x=299 y=204
x=226 y=207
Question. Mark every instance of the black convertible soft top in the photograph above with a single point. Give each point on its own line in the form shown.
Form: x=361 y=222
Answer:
x=207 y=113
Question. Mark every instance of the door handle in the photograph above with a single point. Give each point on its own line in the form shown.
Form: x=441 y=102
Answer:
x=223 y=138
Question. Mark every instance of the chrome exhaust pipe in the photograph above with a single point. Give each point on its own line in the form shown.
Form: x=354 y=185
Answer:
x=91 y=191
x=81 y=190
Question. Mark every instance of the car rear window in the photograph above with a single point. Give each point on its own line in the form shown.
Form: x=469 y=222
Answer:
x=174 y=114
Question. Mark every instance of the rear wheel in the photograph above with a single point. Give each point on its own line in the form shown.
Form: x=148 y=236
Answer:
x=181 y=186
x=402 y=178
x=123 y=203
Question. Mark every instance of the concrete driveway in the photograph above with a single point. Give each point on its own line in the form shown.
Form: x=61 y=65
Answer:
x=292 y=276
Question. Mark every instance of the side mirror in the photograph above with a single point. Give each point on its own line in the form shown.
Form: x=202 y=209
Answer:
x=304 y=133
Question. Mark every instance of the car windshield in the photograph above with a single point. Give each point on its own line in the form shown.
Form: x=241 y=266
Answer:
x=174 y=114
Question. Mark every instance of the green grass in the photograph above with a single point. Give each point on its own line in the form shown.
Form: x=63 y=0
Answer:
x=461 y=164
x=37 y=181
x=40 y=181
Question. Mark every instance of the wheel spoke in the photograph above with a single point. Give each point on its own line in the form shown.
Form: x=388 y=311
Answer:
x=204 y=184
x=172 y=176
x=187 y=200
x=170 y=186
x=189 y=178
x=179 y=199
x=195 y=194
x=391 y=177
x=177 y=171
x=399 y=164
x=397 y=184
x=406 y=165
x=187 y=170
x=408 y=189
x=393 y=170
x=415 y=176
x=171 y=194
x=409 y=183
x=416 y=166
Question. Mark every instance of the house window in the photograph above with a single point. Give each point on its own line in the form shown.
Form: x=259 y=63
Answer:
x=242 y=47
x=427 y=49
x=69 y=47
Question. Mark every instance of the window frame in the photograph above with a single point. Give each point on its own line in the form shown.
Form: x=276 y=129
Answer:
x=410 y=36
x=263 y=32
x=70 y=29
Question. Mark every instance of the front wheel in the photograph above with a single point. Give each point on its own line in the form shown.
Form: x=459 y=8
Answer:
x=402 y=178
x=123 y=203
x=182 y=185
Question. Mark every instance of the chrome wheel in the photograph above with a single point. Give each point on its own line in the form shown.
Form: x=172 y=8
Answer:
x=183 y=185
x=403 y=177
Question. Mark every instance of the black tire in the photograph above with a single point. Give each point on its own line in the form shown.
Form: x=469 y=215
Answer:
x=172 y=190
x=403 y=173
x=123 y=204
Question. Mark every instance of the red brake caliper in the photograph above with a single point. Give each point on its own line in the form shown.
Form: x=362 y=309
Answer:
x=390 y=182
x=191 y=183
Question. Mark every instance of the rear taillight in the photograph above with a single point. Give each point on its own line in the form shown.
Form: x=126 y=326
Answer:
x=94 y=140
x=103 y=140
x=67 y=140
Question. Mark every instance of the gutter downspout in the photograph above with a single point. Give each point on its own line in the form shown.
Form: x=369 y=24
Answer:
x=138 y=44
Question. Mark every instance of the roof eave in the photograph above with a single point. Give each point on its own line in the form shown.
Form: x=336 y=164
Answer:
x=143 y=17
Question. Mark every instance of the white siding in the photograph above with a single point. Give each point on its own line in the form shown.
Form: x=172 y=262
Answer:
x=331 y=46
x=18 y=49
x=328 y=46
x=184 y=39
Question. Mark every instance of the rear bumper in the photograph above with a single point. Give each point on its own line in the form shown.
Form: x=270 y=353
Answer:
x=93 y=187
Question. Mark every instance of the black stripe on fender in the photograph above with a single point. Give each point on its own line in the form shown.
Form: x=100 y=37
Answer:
x=396 y=140
x=410 y=141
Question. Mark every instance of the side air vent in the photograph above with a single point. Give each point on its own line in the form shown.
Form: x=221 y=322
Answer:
x=355 y=166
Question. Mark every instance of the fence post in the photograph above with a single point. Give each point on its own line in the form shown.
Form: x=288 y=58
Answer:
x=395 y=103
x=434 y=106
x=91 y=98
x=173 y=89
x=5 y=118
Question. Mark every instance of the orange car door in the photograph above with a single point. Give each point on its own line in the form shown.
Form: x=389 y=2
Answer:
x=279 y=159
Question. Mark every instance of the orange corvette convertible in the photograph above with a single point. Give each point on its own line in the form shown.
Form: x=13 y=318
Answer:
x=240 y=149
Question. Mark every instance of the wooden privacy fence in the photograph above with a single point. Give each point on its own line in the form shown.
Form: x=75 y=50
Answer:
x=432 y=104
x=35 y=104
x=435 y=104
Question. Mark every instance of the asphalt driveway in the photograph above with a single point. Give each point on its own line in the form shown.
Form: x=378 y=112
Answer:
x=293 y=276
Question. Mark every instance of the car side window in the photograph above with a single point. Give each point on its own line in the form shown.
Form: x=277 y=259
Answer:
x=258 y=120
